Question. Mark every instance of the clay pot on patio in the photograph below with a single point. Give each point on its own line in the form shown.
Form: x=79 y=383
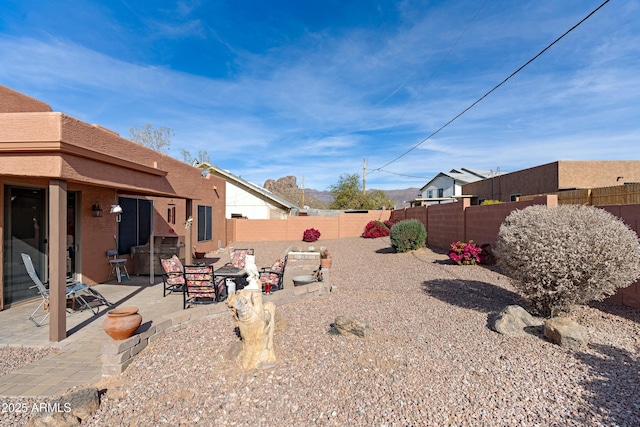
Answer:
x=122 y=322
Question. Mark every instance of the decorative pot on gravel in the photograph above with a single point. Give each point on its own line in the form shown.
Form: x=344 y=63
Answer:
x=122 y=322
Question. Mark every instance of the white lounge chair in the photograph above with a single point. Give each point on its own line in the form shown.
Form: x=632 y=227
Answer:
x=73 y=290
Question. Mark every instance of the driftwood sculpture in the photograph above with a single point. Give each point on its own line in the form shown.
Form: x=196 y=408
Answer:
x=256 y=322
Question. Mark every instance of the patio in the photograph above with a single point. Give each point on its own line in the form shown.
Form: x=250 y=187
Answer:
x=77 y=360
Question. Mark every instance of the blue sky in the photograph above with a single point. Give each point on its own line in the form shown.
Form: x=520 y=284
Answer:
x=311 y=88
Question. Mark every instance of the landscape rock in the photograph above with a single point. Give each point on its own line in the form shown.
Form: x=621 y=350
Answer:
x=566 y=333
x=348 y=326
x=513 y=319
x=69 y=409
x=54 y=419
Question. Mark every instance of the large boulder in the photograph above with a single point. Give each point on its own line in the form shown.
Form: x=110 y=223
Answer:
x=566 y=333
x=513 y=320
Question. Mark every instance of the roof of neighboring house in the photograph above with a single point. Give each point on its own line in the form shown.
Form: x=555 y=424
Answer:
x=248 y=186
x=463 y=176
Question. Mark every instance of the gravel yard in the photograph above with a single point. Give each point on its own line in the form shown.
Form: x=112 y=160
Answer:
x=431 y=358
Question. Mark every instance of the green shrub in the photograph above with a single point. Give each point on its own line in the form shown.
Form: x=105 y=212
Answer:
x=564 y=255
x=408 y=235
x=490 y=202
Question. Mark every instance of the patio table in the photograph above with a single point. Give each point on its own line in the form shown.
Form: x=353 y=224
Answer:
x=238 y=275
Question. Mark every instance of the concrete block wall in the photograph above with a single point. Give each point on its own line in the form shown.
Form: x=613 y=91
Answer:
x=445 y=223
x=292 y=228
x=482 y=223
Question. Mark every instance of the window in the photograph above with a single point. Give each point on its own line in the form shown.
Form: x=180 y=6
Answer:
x=171 y=215
x=430 y=194
x=135 y=227
x=205 y=221
x=440 y=192
x=514 y=197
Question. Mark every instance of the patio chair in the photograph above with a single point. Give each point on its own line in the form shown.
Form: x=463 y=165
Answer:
x=173 y=276
x=199 y=287
x=271 y=277
x=73 y=290
x=176 y=275
x=238 y=257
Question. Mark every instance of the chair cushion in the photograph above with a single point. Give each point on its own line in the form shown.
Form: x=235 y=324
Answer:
x=278 y=266
x=172 y=265
x=198 y=274
x=271 y=278
x=239 y=259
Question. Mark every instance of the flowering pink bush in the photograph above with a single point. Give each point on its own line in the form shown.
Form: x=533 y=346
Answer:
x=311 y=235
x=463 y=253
x=375 y=229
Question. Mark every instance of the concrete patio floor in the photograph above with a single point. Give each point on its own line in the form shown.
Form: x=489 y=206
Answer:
x=77 y=360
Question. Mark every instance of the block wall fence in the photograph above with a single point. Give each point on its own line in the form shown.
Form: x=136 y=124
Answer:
x=450 y=222
x=292 y=228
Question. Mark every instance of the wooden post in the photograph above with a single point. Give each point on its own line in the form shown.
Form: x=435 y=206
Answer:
x=57 y=259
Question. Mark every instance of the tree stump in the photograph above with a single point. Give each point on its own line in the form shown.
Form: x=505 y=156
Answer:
x=256 y=322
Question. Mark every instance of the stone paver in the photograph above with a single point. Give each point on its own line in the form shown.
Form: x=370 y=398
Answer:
x=78 y=360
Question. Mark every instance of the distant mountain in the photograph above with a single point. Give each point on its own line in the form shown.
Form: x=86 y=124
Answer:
x=287 y=188
x=403 y=197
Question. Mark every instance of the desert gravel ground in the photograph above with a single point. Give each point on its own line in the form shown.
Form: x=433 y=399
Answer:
x=431 y=358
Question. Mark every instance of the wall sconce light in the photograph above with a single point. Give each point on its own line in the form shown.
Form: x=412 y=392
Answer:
x=117 y=209
x=97 y=210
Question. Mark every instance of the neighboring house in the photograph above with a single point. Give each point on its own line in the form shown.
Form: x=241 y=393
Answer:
x=59 y=178
x=556 y=176
x=245 y=199
x=446 y=187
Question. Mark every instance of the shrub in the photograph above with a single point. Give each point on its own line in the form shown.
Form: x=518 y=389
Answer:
x=389 y=223
x=490 y=202
x=463 y=253
x=375 y=229
x=569 y=254
x=486 y=256
x=310 y=235
x=407 y=235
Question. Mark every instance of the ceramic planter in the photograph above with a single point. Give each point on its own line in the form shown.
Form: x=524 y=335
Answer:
x=122 y=322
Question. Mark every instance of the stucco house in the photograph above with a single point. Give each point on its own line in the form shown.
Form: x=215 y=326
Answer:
x=245 y=199
x=60 y=176
x=552 y=177
x=446 y=187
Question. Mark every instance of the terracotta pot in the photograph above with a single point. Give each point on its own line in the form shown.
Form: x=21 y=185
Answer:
x=325 y=262
x=122 y=322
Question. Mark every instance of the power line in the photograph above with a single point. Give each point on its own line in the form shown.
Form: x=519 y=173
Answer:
x=435 y=71
x=492 y=90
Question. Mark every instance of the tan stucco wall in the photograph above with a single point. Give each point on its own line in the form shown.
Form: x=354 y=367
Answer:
x=536 y=180
x=560 y=175
x=38 y=146
x=597 y=173
x=16 y=102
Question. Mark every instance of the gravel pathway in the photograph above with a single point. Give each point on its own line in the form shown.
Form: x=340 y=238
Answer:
x=431 y=358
